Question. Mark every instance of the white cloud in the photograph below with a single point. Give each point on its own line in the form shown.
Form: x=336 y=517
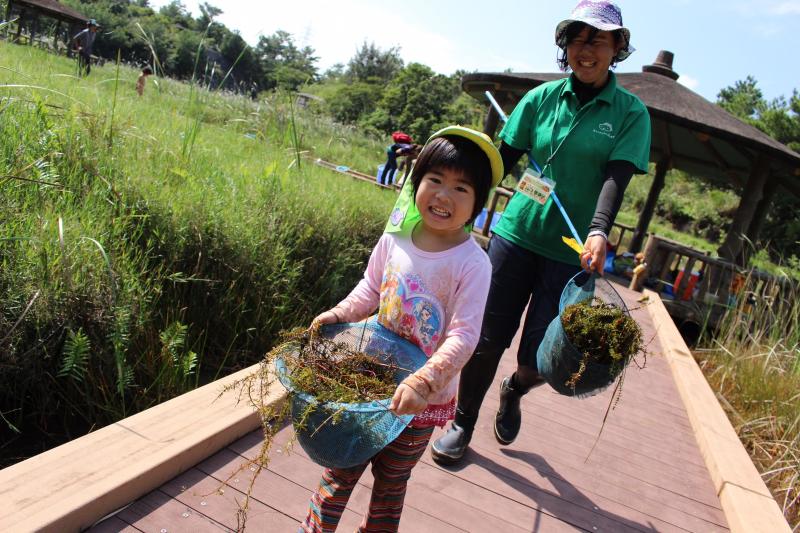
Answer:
x=688 y=82
x=336 y=33
x=789 y=7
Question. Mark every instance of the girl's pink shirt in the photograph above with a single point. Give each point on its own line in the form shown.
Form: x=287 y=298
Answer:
x=434 y=299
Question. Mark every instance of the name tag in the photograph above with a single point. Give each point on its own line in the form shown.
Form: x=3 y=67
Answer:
x=535 y=186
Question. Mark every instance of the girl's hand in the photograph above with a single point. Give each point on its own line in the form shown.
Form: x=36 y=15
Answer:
x=593 y=257
x=407 y=401
x=328 y=317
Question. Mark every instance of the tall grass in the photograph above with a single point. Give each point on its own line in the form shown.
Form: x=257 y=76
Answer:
x=132 y=268
x=753 y=363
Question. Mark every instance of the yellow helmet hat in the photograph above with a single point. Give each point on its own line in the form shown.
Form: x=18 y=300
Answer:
x=405 y=214
x=483 y=141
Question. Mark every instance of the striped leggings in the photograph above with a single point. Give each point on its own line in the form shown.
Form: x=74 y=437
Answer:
x=391 y=468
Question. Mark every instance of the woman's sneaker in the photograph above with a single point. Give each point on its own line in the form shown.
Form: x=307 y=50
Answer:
x=450 y=447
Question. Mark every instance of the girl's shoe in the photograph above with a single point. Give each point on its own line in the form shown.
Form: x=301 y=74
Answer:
x=509 y=416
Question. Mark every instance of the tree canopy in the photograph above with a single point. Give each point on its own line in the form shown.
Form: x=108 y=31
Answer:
x=780 y=119
x=170 y=38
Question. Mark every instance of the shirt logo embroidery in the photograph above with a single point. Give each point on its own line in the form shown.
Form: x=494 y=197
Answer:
x=605 y=128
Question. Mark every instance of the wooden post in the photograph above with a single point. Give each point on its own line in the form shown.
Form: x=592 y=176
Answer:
x=33 y=30
x=750 y=198
x=649 y=208
x=20 y=20
x=637 y=282
x=761 y=210
x=491 y=121
x=8 y=13
x=56 y=32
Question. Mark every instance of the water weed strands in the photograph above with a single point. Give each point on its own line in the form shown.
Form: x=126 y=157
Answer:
x=341 y=380
x=603 y=333
x=588 y=345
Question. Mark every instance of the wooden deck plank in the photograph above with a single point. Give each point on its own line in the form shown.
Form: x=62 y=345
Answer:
x=269 y=488
x=114 y=525
x=502 y=507
x=472 y=514
x=157 y=511
x=548 y=474
x=196 y=490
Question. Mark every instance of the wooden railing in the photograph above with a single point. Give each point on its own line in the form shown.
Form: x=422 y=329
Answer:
x=616 y=237
x=704 y=287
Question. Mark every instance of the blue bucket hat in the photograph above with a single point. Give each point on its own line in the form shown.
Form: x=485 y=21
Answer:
x=600 y=14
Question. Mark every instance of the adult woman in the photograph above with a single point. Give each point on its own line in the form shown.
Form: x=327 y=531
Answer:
x=590 y=136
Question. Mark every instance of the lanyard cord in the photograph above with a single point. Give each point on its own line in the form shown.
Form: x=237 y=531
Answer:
x=581 y=113
x=547 y=163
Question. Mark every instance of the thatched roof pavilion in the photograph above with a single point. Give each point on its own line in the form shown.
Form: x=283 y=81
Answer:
x=29 y=11
x=689 y=133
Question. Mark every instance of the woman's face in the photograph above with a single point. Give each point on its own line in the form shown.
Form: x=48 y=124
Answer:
x=590 y=60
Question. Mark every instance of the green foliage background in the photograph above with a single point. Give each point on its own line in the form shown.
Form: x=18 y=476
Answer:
x=144 y=254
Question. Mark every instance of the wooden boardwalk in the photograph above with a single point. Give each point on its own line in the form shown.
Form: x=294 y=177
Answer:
x=645 y=474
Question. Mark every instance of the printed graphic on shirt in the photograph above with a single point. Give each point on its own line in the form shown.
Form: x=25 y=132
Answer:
x=408 y=309
x=606 y=129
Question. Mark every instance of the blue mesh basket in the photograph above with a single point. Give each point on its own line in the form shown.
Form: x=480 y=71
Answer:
x=558 y=359
x=343 y=435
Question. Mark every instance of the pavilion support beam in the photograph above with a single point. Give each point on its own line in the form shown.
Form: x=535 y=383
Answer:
x=760 y=214
x=646 y=216
x=750 y=199
x=20 y=21
x=491 y=122
x=56 y=35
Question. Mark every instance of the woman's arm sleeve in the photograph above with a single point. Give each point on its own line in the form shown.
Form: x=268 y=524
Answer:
x=510 y=156
x=618 y=175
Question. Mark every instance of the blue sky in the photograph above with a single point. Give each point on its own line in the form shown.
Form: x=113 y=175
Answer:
x=715 y=42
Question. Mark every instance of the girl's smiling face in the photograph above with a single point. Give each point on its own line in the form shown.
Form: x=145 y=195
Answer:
x=590 y=59
x=445 y=199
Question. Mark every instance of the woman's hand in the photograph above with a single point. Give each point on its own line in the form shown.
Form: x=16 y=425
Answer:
x=407 y=401
x=593 y=257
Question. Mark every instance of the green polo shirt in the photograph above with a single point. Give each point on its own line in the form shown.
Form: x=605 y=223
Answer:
x=615 y=125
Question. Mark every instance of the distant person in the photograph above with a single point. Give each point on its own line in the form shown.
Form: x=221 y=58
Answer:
x=591 y=136
x=83 y=42
x=146 y=71
x=409 y=154
x=402 y=141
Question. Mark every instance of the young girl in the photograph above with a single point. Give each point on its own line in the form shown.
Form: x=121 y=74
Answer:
x=146 y=71
x=429 y=280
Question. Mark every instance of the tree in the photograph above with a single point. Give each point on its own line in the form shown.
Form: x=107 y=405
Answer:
x=177 y=14
x=207 y=15
x=781 y=120
x=743 y=100
x=334 y=73
x=352 y=101
x=416 y=101
x=283 y=64
x=778 y=119
x=370 y=64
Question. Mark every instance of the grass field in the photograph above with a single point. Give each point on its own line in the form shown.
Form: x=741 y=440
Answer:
x=151 y=244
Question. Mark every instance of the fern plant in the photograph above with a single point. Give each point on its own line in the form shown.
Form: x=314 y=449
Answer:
x=182 y=361
x=75 y=355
